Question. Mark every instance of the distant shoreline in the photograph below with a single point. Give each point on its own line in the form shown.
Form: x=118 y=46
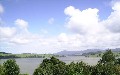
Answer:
x=4 y=55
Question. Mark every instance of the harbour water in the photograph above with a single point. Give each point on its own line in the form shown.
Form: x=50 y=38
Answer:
x=28 y=65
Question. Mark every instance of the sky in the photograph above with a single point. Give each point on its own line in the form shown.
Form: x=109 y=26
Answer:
x=50 y=26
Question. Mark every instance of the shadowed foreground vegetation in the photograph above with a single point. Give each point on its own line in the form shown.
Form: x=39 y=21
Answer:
x=107 y=65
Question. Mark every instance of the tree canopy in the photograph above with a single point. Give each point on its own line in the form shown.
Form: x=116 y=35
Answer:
x=108 y=65
x=11 y=68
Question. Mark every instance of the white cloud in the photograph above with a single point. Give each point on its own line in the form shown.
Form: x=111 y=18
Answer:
x=51 y=21
x=15 y=35
x=69 y=42
x=62 y=37
x=89 y=32
x=116 y=5
x=1 y=9
x=86 y=21
x=7 y=32
x=21 y=23
x=23 y=38
x=113 y=21
x=94 y=33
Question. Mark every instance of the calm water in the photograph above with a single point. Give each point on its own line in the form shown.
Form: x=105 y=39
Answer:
x=28 y=65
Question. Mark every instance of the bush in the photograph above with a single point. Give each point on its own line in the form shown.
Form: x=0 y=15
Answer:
x=108 y=65
x=108 y=57
x=11 y=68
x=1 y=70
x=51 y=66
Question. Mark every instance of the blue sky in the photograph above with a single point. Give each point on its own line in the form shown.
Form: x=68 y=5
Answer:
x=38 y=12
x=49 y=26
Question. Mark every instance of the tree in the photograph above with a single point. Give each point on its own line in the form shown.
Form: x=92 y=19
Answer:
x=79 y=68
x=52 y=66
x=1 y=70
x=11 y=68
x=108 y=57
x=117 y=61
x=106 y=69
x=107 y=65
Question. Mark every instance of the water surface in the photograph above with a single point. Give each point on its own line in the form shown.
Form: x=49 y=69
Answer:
x=28 y=65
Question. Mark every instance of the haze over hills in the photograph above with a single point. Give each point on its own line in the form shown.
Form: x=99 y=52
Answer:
x=65 y=52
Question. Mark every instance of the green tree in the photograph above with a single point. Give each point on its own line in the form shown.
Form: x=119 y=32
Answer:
x=11 y=68
x=1 y=70
x=108 y=57
x=106 y=66
x=52 y=66
x=106 y=69
x=79 y=68
x=117 y=61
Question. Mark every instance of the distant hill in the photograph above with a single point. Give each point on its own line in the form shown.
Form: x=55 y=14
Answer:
x=65 y=52
x=70 y=53
x=116 y=50
x=4 y=53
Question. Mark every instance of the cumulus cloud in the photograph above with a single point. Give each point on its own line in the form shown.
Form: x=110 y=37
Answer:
x=62 y=37
x=94 y=33
x=7 y=32
x=113 y=21
x=21 y=23
x=15 y=35
x=86 y=21
x=1 y=9
x=23 y=38
x=89 y=32
x=51 y=21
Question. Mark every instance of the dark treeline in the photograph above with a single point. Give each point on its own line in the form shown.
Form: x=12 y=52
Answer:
x=7 y=56
x=107 y=65
x=4 y=55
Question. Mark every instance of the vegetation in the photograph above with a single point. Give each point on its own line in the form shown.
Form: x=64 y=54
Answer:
x=108 y=65
x=100 y=54
x=50 y=67
x=4 y=55
x=11 y=68
x=1 y=70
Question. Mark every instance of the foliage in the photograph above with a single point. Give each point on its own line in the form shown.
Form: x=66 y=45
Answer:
x=106 y=69
x=108 y=65
x=108 y=57
x=54 y=66
x=79 y=68
x=117 y=61
x=51 y=66
x=11 y=68
x=4 y=55
x=1 y=70
x=100 y=54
